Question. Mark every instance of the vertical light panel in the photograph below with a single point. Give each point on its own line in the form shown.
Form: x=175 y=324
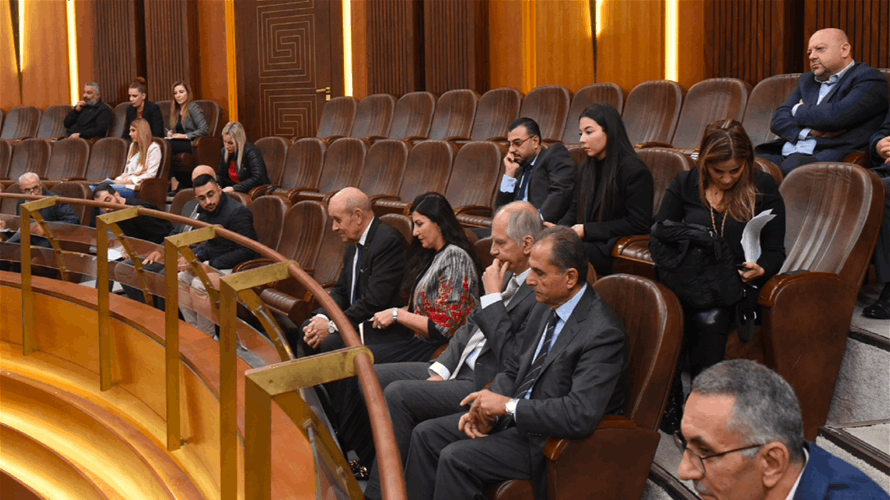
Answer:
x=347 y=47
x=232 y=70
x=73 y=76
x=671 y=36
x=599 y=17
x=21 y=36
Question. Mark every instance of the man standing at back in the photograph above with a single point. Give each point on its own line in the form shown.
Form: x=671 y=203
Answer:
x=90 y=117
x=834 y=110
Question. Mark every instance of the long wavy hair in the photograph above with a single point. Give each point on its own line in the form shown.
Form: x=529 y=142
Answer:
x=723 y=141
x=603 y=174
x=236 y=131
x=436 y=208
x=175 y=108
x=143 y=141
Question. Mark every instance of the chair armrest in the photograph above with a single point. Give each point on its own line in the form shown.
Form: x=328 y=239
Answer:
x=474 y=209
x=458 y=138
x=258 y=191
x=622 y=243
x=653 y=144
x=378 y=197
x=496 y=139
x=857 y=158
x=328 y=140
x=252 y=264
x=775 y=290
x=206 y=150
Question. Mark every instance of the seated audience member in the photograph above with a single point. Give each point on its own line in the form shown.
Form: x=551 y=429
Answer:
x=834 y=109
x=142 y=227
x=417 y=391
x=30 y=183
x=90 y=117
x=143 y=160
x=569 y=374
x=723 y=193
x=541 y=176
x=742 y=438
x=141 y=107
x=218 y=255
x=186 y=124
x=241 y=166
x=613 y=196
x=154 y=261
x=880 y=159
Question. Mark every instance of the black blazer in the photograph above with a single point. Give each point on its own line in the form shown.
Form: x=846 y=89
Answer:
x=220 y=252
x=877 y=162
x=151 y=112
x=144 y=227
x=251 y=172
x=551 y=183
x=582 y=379
x=90 y=121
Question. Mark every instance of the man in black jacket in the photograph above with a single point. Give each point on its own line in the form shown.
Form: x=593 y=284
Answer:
x=90 y=117
x=220 y=254
x=143 y=227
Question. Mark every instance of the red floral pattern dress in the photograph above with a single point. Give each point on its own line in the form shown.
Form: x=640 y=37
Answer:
x=447 y=292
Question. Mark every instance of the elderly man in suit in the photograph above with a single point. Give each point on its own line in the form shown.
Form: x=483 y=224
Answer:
x=570 y=373
x=478 y=351
x=742 y=438
x=834 y=110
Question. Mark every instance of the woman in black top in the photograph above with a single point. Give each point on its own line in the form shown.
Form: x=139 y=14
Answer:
x=723 y=193
x=613 y=195
x=141 y=107
x=241 y=167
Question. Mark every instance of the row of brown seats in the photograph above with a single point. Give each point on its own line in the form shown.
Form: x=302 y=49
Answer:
x=76 y=160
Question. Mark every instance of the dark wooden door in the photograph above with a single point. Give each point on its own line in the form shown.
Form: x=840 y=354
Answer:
x=288 y=53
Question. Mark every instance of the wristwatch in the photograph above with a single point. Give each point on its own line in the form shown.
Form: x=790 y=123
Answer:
x=395 y=314
x=510 y=407
x=332 y=328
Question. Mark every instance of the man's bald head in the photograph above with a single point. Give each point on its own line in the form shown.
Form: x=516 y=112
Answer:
x=829 y=52
x=351 y=212
x=203 y=170
x=352 y=198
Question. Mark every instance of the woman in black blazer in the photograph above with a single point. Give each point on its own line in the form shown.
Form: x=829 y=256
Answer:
x=614 y=190
x=241 y=166
x=141 y=107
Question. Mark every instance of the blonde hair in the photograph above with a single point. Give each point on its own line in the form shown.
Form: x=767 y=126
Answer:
x=175 y=108
x=724 y=141
x=236 y=131
x=140 y=147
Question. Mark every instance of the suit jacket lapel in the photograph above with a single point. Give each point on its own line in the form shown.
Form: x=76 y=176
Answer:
x=529 y=354
x=569 y=330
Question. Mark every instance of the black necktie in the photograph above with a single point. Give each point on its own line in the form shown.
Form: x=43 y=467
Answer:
x=523 y=183
x=358 y=262
x=535 y=368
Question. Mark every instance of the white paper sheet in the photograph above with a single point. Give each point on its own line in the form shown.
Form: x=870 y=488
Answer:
x=751 y=235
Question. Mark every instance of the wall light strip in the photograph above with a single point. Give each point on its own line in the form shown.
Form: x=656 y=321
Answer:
x=671 y=43
x=347 y=47
x=232 y=66
x=21 y=36
x=73 y=76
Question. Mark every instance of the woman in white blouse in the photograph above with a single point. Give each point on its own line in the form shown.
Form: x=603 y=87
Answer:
x=143 y=160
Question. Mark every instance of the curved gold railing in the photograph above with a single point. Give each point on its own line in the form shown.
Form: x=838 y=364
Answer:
x=279 y=382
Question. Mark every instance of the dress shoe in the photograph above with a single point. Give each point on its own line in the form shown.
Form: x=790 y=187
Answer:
x=881 y=307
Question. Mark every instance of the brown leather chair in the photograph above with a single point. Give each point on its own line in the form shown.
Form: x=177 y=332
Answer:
x=342 y=167
x=154 y=190
x=482 y=247
x=5 y=157
x=373 y=116
x=52 y=122
x=8 y=205
x=206 y=150
x=605 y=93
x=614 y=461
x=165 y=110
x=76 y=190
x=496 y=109
x=274 y=151
x=30 y=155
x=413 y=116
x=834 y=213
x=428 y=169
x=652 y=110
x=302 y=168
x=707 y=101
x=2 y=115
x=119 y=120
x=770 y=168
x=107 y=158
x=20 y=123
x=579 y=156
x=384 y=168
x=548 y=105
x=182 y=197
x=453 y=118
x=336 y=118
x=68 y=160
x=475 y=175
x=268 y=219
x=631 y=253
x=766 y=97
x=402 y=223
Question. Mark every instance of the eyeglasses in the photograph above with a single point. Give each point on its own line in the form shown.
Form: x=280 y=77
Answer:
x=517 y=143
x=699 y=460
x=33 y=190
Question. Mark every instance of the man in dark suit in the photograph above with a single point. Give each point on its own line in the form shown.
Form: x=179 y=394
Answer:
x=880 y=161
x=142 y=227
x=569 y=375
x=476 y=353
x=90 y=117
x=371 y=279
x=833 y=111
x=746 y=419
x=544 y=177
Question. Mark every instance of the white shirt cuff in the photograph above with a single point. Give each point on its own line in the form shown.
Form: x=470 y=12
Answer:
x=326 y=319
x=439 y=369
x=490 y=299
x=508 y=184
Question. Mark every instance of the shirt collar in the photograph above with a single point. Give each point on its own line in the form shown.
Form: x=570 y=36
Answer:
x=836 y=77
x=565 y=311
x=806 y=458
x=364 y=237
x=521 y=277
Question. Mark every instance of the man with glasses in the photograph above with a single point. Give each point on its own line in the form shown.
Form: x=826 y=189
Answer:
x=30 y=184
x=544 y=177
x=742 y=438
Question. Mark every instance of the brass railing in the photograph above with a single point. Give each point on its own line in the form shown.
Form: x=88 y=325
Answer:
x=280 y=382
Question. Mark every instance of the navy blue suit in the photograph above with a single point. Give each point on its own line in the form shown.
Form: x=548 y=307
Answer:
x=855 y=106
x=827 y=477
x=881 y=257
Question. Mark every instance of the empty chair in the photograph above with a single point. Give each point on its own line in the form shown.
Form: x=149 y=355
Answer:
x=428 y=169
x=707 y=101
x=412 y=116
x=119 y=120
x=384 y=168
x=373 y=116
x=52 y=122
x=474 y=178
x=76 y=190
x=304 y=226
x=302 y=166
x=652 y=110
x=496 y=109
x=268 y=219
x=274 y=150
x=107 y=158
x=30 y=155
x=8 y=205
x=454 y=115
x=605 y=93
x=342 y=167
x=5 y=156
x=548 y=105
x=766 y=97
x=20 y=123
x=68 y=160
x=336 y=118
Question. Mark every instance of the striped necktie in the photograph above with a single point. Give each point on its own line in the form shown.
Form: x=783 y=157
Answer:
x=535 y=369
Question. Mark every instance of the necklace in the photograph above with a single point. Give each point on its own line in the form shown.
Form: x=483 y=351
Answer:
x=713 y=224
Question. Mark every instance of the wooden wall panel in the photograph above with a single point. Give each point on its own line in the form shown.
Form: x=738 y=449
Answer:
x=113 y=40
x=171 y=46
x=564 y=43
x=395 y=46
x=506 y=45
x=865 y=22
x=212 y=59
x=10 y=95
x=45 y=65
x=455 y=38
x=630 y=46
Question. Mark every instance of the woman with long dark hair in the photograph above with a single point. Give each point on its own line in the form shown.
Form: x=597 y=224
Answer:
x=613 y=195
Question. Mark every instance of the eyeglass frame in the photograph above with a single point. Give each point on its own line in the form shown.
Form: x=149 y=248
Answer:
x=517 y=143
x=681 y=443
x=38 y=189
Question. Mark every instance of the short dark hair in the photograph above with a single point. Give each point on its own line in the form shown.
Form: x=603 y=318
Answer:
x=567 y=251
x=105 y=186
x=530 y=125
x=202 y=180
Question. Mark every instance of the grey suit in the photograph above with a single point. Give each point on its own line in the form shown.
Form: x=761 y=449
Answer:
x=581 y=380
